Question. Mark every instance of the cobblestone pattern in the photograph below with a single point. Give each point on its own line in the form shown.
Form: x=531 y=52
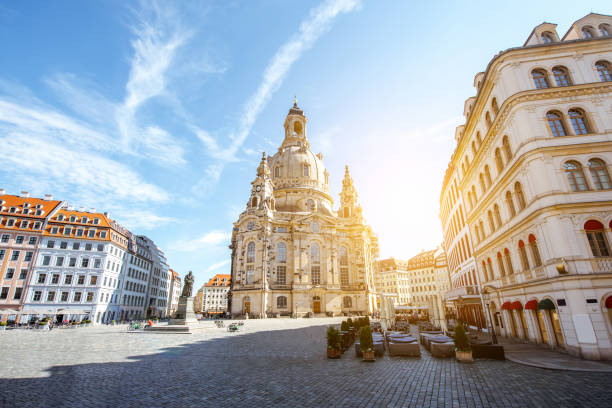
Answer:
x=278 y=362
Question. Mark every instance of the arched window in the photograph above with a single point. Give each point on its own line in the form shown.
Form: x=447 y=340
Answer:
x=510 y=204
x=254 y=201
x=347 y=302
x=604 y=30
x=281 y=252
x=561 y=75
x=344 y=273
x=494 y=106
x=483 y=187
x=587 y=32
x=508 y=261
x=497 y=215
x=251 y=252
x=506 y=147
x=482 y=229
x=488 y=119
x=477 y=233
x=500 y=264
x=479 y=138
x=575 y=176
x=539 y=78
x=499 y=162
x=463 y=170
x=281 y=302
x=488 y=175
x=579 y=122
x=474 y=151
x=597 y=238
x=305 y=170
x=555 y=123
x=535 y=252
x=276 y=172
x=604 y=71
x=474 y=194
x=520 y=197
x=491 y=221
x=599 y=174
x=523 y=255
x=547 y=37
x=490 y=266
x=315 y=267
x=485 y=275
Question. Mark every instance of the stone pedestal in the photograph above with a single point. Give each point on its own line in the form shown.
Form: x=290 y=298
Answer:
x=184 y=322
x=185 y=316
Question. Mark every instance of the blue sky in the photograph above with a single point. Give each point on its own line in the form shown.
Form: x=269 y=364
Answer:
x=158 y=112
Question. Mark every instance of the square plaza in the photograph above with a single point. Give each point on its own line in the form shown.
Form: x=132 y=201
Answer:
x=271 y=362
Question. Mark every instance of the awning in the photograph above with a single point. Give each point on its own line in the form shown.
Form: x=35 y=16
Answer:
x=9 y=311
x=73 y=311
x=506 y=306
x=38 y=310
x=531 y=305
x=516 y=305
x=609 y=302
x=546 y=304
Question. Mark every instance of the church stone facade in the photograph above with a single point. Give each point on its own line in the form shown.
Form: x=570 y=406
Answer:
x=292 y=253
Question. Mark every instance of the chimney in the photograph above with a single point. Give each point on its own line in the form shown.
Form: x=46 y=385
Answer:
x=106 y=214
x=81 y=209
x=48 y=197
x=2 y=191
x=92 y=210
x=25 y=194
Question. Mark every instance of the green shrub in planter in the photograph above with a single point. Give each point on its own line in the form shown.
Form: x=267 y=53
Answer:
x=88 y=321
x=2 y=323
x=366 y=321
x=350 y=323
x=460 y=339
x=365 y=339
x=334 y=341
x=344 y=326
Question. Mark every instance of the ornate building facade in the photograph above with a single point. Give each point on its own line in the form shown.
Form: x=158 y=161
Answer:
x=530 y=175
x=292 y=253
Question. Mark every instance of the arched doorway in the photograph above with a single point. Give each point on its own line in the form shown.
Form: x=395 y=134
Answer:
x=548 y=312
x=517 y=307
x=247 y=305
x=316 y=304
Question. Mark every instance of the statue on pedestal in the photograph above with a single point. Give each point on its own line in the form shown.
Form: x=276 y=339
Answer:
x=187 y=285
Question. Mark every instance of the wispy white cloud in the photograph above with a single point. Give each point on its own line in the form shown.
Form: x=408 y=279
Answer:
x=217 y=265
x=66 y=168
x=158 y=36
x=142 y=219
x=319 y=21
x=214 y=238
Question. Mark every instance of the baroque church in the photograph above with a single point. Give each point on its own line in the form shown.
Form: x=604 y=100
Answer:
x=292 y=253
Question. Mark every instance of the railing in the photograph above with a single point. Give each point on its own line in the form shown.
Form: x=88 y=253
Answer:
x=601 y=264
x=358 y=286
x=278 y=286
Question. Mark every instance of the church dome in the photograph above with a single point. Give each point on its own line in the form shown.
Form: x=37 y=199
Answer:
x=295 y=167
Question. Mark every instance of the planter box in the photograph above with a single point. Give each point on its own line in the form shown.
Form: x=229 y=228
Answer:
x=368 y=356
x=333 y=353
x=464 y=356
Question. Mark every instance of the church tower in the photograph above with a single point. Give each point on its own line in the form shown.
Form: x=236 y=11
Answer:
x=348 y=198
x=263 y=188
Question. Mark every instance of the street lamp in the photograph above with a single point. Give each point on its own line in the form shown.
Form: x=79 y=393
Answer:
x=488 y=304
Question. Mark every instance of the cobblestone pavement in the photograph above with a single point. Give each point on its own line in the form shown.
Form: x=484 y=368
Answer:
x=275 y=362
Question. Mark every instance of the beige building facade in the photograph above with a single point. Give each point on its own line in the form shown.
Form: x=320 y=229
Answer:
x=292 y=253
x=531 y=168
x=393 y=280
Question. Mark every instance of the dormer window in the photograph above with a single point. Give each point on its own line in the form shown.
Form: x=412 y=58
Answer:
x=60 y=217
x=96 y=221
x=587 y=32
x=547 y=37
x=84 y=220
x=25 y=211
x=305 y=170
x=72 y=218
x=604 y=30
x=13 y=209
x=39 y=212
